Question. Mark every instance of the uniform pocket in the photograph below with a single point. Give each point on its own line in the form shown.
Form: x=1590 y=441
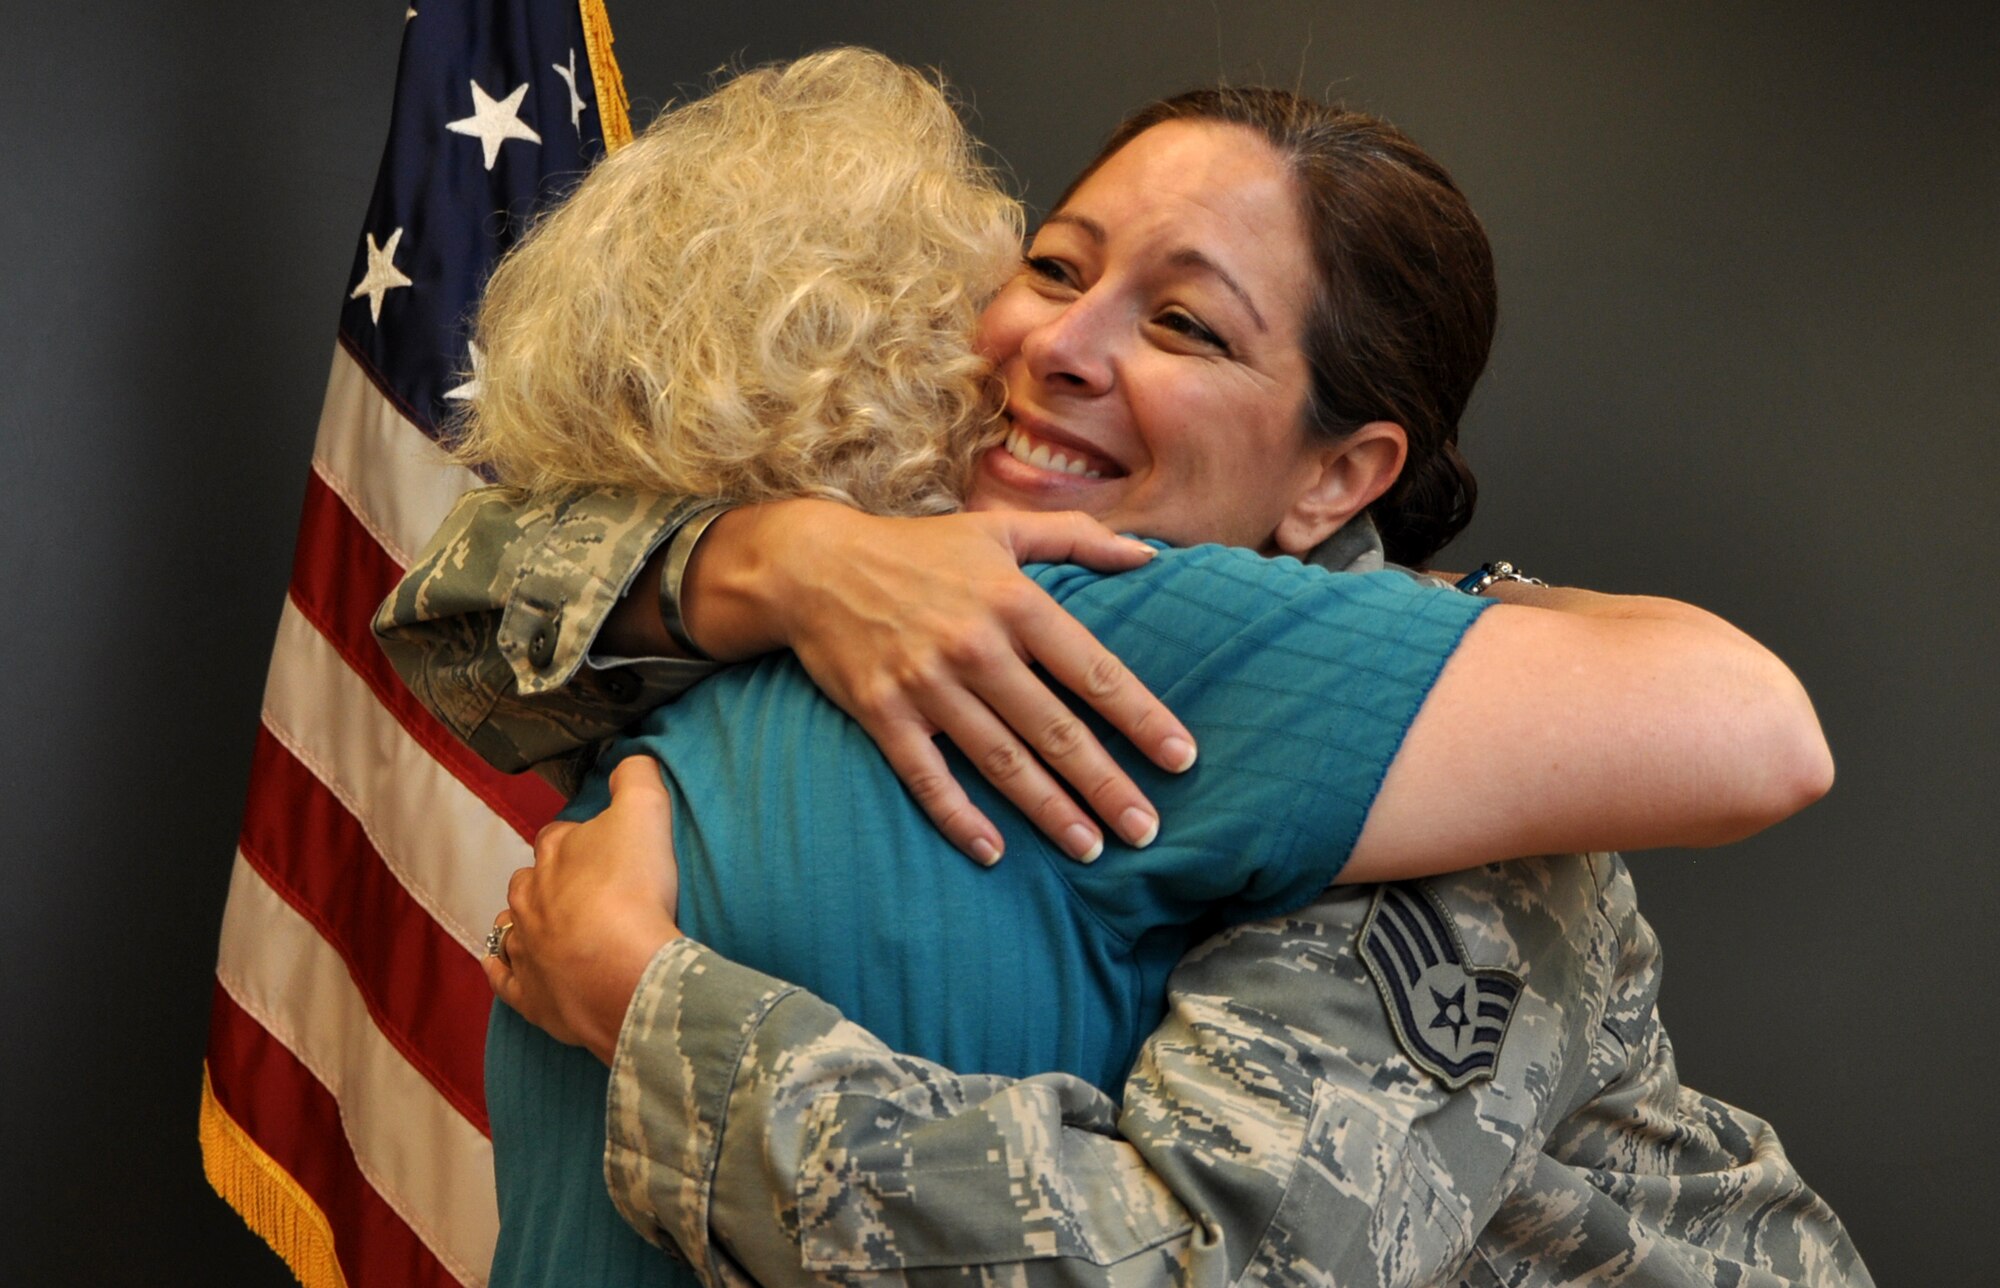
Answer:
x=1365 y=1204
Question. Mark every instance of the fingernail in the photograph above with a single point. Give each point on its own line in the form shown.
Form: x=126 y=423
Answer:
x=1083 y=843
x=1179 y=754
x=1139 y=827
x=1148 y=551
x=984 y=852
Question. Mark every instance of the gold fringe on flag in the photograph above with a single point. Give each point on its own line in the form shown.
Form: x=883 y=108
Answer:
x=612 y=104
x=265 y=1196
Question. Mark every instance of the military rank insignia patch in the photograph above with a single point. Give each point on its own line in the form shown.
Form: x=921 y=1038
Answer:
x=1449 y=1017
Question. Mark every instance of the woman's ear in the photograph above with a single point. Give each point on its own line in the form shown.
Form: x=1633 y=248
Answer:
x=1351 y=473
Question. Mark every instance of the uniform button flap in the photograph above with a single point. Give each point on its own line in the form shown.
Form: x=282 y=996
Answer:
x=542 y=646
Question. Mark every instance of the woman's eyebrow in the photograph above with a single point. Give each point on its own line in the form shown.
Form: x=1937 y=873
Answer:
x=1091 y=228
x=1192 y=258
x=1187 y=257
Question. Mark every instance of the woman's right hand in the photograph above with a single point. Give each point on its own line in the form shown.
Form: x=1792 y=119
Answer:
x=917 y=627
x=588 y=917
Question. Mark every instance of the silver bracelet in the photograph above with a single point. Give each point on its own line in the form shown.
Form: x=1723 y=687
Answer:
x=1480 y=582
x=680 y=549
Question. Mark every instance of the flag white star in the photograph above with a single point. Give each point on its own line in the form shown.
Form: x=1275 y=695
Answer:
x=470 y=389
x=382 y=276
x=494 y=121
x=576 y=104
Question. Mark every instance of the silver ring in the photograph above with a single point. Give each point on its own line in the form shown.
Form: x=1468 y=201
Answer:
x=496 y=943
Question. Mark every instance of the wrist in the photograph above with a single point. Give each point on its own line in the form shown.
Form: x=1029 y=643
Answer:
x=676 y=555
x=605 y=1009
x=733 y=589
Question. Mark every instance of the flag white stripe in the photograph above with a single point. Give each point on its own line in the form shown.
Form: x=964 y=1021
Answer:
x=427 y=1162
x=399 y=483
x=451 y=852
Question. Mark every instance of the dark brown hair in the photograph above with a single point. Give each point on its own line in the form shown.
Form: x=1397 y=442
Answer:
x=1404 y=301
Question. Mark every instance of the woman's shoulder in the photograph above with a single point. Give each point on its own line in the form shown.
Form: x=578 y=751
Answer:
x=1237 y=584
x=1233 y=623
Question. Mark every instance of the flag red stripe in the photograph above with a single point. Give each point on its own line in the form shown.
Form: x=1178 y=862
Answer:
x=295 y=1120
x=340 y=575
x=426 y=994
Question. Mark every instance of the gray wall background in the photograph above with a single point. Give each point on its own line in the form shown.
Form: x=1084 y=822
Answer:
x=1750 y=264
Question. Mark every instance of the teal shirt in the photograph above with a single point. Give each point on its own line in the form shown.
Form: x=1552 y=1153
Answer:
x=802 y=856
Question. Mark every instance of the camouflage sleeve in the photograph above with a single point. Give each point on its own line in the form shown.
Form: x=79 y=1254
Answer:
x=768 y=1137
x=1277 y=1129
x=1645 y=1180
x=1436 y=1081
x=492 y=626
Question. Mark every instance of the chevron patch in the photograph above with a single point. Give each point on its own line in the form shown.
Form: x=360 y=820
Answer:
x=1450 y=1018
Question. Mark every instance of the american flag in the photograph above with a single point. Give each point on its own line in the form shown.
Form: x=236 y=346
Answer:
x=342 y=1108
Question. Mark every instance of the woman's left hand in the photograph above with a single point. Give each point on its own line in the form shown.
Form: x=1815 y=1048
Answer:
x=591 y=913
x=924 y=626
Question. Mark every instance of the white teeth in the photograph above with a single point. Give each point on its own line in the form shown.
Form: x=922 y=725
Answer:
x=1023 y=448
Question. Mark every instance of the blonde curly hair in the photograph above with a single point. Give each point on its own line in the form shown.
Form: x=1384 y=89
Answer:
x=769 y=293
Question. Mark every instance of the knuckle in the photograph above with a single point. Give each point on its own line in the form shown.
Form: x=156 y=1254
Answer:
x=1063 y=736
x=968 y=649
x=639 y=779
x=1054 y=811
x=914 y=671
x=1144 y=721
x=932 y=789
x=550 y=840
x=1003 y=762
x=1107 y=793
x=1104 y=677
x=880 y=700
x=955 y=818
x=869 y=710
x=1017 y=596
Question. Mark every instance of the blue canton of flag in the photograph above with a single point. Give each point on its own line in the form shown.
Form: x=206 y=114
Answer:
x=496 y=115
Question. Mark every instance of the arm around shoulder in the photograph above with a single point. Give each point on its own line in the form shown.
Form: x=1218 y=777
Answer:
x=1571 y=721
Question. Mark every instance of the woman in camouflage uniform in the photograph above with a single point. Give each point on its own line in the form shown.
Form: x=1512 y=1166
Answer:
x=1046 y=358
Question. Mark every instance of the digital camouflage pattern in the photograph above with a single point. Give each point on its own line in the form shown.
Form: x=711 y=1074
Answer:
x=492 y=625
x=1275 y=1131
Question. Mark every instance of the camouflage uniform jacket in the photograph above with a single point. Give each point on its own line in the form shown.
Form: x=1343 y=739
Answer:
x=1321 y=1106
x=492 y=626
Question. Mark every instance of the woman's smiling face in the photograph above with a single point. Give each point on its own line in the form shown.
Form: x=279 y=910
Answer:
x=1151 y=346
